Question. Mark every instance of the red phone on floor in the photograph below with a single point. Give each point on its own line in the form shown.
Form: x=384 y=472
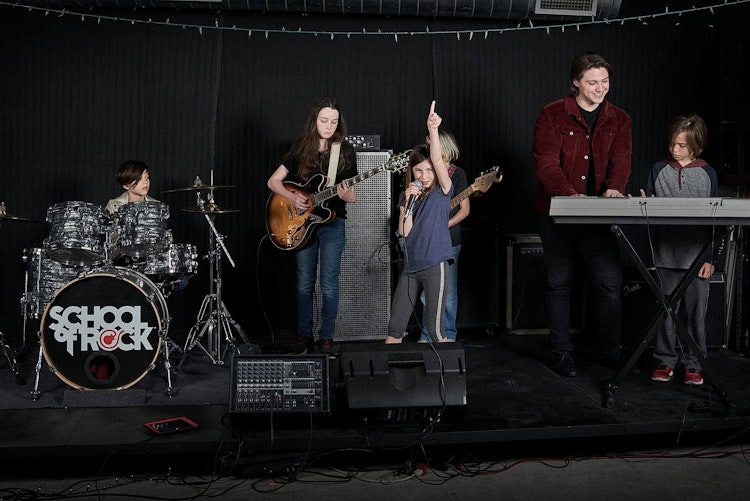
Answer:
x=171 y=425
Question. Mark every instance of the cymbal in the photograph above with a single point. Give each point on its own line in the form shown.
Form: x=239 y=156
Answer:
x=200 y=187
x=10 y=217
x=210 y=209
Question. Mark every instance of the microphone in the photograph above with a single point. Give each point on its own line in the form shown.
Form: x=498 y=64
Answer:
x=413 y=199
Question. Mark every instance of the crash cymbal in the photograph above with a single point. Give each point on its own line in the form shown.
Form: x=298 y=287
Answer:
x=10 y=217
x=209 y=209
x=200 y=187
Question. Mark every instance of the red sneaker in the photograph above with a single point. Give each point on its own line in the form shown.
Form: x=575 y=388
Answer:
x=662 y=374
x=693 y=377
x=326 y=344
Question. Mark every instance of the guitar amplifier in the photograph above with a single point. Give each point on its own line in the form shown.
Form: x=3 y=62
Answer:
x=639 y=305
x=365 y=293
x=525 y=311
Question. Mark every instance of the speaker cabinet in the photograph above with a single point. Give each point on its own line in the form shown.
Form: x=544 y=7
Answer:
x=525 y=312
x=365 y=282
x=397 y=383
x=639 y=305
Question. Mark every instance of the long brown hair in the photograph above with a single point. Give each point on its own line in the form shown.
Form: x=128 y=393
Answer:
x=305 y=148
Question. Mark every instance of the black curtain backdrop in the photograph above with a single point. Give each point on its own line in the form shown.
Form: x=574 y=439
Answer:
x=78 y=97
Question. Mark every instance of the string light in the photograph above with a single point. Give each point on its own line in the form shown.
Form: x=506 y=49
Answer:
x=643 y=19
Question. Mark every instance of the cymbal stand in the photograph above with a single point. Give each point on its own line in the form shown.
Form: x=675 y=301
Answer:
x=8 y=352
x=10 y=356
x=214 y=320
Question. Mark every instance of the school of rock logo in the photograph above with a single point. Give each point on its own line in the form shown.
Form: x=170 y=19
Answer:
x=105 y=328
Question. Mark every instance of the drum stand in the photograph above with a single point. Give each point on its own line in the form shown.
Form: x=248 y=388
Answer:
x=214 y=319
x=10 y=356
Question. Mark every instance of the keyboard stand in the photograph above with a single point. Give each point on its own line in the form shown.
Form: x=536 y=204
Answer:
x=668 y=305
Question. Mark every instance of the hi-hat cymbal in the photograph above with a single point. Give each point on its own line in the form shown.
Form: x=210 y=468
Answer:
x=200 y=187
x=210 y=209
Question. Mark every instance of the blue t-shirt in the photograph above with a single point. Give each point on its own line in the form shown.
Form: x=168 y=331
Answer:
x=429 y=241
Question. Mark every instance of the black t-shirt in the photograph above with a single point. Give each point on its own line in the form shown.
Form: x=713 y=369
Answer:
x=590 y=118
x=334 y=203
x=460 y=183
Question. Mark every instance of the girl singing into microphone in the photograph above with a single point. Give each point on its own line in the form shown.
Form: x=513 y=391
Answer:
x=427 y=241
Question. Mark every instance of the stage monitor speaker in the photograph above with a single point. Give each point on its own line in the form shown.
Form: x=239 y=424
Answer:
x=283 y=384
x=365 y=284
x=397 y=383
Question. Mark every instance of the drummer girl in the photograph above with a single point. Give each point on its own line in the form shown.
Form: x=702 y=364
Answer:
x=134 y=178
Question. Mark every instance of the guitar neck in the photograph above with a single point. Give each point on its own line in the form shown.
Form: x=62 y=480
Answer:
x=455 y=201
x=330 y=192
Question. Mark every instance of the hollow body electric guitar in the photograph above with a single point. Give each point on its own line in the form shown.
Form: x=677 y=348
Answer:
x=480 y=184
x=289 y=228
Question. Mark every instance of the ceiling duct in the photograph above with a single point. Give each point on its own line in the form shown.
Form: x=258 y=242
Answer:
x=566 y=7
x=479 y=9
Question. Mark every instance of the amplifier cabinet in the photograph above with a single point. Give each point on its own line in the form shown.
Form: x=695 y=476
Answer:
x=525 y=287
x=365 y=281
x=639 y=305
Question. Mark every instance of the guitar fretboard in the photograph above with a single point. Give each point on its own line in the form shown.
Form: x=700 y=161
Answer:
x=323 y=195
x=395 y=163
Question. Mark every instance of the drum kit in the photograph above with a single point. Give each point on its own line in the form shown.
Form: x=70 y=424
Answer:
x=99 y=284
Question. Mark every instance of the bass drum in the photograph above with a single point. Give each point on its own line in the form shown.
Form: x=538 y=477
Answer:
x=104 y=330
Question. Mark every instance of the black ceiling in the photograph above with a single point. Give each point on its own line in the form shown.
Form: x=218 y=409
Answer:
x=479 y=9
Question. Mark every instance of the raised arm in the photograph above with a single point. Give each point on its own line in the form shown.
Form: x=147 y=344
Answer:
x=436 y=152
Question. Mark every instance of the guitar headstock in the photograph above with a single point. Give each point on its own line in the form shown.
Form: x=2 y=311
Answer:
x=399 y=162
x=486 y=178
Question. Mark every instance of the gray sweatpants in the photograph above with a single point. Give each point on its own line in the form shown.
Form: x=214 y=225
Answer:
x=434 y=282
x=667 y=349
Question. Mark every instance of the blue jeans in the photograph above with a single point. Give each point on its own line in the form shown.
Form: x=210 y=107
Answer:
x=598 y=247
x=451 y=301
x=328 y=242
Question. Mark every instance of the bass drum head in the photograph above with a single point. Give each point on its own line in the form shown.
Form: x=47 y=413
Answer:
x=103 y=330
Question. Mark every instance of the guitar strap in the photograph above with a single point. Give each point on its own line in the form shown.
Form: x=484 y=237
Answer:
x=333 y=164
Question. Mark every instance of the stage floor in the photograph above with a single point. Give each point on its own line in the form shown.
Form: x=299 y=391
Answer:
x=512 y=395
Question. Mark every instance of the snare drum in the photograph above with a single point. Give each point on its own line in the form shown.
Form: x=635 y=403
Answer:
x=104 y=330
x=142 y=228
x=76 y=233
x=178 y=262
x=44 y=277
